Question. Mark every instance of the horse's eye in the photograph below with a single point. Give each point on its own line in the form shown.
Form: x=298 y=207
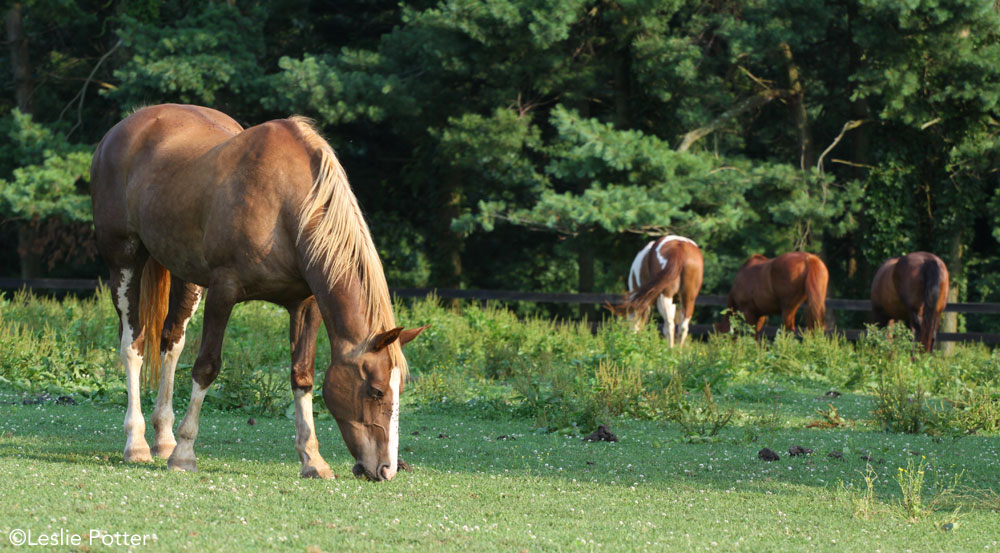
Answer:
x=375 y=393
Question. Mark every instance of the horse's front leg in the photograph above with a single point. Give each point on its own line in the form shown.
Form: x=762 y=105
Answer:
x=219 y=303
x=759 y=325
x=304 y=324
x=638 y=319
x=788 y=319
x=184 y=299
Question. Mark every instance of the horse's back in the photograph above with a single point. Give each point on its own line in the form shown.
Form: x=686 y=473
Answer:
x=160 y=132
x=751 y=287
x=201 y=193
x=914 y=273
x=150 y=144
x=658 y=254
x=768 y=284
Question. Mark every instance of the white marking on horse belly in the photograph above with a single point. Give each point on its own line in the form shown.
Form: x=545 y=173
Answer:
x=394 y=380
x=634 y=280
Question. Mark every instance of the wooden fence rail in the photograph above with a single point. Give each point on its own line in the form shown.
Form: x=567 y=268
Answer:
x=568 y=298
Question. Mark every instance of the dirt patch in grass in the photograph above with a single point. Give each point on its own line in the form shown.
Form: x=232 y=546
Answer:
x=797 y=450
x=768 y=454
x=602 y=434
x=47 y=398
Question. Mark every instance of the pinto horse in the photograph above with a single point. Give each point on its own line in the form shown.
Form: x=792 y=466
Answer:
x=187 y=203
x=912 y=288
x=669 y=267
x=765 y=287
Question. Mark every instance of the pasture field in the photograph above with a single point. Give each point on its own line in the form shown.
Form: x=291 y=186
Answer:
x=906 y=458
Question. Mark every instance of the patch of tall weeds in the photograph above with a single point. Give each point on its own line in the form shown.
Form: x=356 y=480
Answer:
x=486 y=357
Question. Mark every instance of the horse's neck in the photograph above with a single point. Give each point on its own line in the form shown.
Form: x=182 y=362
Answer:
x=343 y=314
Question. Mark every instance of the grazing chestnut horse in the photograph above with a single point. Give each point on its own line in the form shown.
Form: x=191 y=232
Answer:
x=668 y=267
x=188 y=203
x=765 y=287
x=912 y=288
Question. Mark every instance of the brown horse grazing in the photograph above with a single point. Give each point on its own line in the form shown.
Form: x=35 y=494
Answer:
x=912 y=288
x=765 y=287
x=192 y=202
x=668 y=267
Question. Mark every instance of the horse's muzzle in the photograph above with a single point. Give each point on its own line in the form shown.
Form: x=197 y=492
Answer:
x=380 y=475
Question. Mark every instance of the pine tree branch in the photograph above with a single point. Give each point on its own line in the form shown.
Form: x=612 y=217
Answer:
x=751 y=103
x=850 y=125
x=83 y=89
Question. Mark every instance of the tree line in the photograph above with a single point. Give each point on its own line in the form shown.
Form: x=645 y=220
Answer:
x=537 y=145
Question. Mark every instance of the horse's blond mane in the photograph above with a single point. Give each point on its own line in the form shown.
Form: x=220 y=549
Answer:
x=338 y=239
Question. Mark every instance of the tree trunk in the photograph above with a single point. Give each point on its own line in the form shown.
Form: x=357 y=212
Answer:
x=585 y=276
x=807 y=158
x=949 y=321
x=27 y=251
x=622 y=90
x=860 y=140
x=19 y=63
x=449 y=244
x=17 y=42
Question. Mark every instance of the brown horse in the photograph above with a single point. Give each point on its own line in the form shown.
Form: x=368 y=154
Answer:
x=668 y=267
x=912 y=288
x=185 y=200
x=765 y=287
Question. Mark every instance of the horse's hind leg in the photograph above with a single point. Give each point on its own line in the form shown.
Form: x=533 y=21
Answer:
x=668 y=310
x=184 y=298
x=788 y=312
x=219 y=301
x=126 y=278
x=687 y=311
x=304 y=323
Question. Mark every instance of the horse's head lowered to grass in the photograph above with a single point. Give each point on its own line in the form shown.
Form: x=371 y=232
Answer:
x=362 y=393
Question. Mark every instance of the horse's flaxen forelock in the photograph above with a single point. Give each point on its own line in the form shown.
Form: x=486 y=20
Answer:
x=337 y=236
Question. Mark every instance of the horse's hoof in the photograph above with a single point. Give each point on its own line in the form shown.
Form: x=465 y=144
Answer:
x=187 y=465
x=322 y=471
x=138 y=454
x=164 y=450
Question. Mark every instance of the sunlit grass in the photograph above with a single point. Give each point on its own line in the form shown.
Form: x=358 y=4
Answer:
x=482 y=374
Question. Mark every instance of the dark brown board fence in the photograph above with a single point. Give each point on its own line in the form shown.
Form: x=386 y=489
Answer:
x=550 y=297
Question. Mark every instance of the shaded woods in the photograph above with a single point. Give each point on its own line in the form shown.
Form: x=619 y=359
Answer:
x=511 y=145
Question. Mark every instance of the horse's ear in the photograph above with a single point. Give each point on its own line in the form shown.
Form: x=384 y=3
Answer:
x=386 y=338
x=407 y=336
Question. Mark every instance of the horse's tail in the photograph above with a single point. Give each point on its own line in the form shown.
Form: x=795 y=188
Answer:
x=816 y=279
x=643 y=296
x=934 y=286
x=154 y=295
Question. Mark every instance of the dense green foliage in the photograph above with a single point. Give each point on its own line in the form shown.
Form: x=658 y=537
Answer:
x=518 y=144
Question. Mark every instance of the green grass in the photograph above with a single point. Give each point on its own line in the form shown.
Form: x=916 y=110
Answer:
x=480 y=374
x=61 y=469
